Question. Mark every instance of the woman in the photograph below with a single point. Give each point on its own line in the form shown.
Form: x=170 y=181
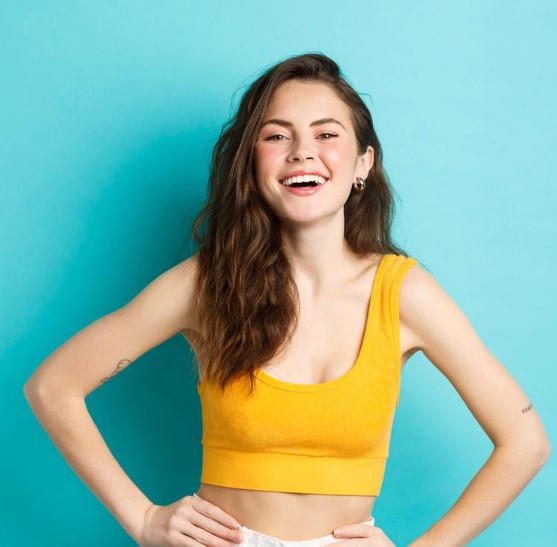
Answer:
x=301 y=312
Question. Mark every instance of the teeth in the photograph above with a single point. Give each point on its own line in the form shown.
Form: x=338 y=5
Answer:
x=304 y=178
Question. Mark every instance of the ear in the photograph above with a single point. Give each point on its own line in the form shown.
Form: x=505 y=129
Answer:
x=365 y=163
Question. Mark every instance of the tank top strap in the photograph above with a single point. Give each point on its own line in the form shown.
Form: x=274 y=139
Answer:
x=388 y=319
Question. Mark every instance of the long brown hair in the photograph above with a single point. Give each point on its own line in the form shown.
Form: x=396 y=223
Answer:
x=247 y=299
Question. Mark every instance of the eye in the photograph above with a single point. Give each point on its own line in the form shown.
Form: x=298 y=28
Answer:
x=330 y=135
x=272 y=137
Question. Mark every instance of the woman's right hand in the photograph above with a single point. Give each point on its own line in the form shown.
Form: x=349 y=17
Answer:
x=190 y=521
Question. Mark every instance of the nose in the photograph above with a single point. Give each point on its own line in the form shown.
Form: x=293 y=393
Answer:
x=301 y=150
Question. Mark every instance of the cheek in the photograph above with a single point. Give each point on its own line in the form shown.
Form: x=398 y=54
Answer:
x=266 y=159
x=265 y=167
x=336 y=156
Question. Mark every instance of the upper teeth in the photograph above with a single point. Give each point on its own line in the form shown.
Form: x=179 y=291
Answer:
x=304 y=178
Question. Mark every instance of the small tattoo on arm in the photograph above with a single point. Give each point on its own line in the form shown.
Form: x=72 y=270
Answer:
x=119 y=367
x=529 y=407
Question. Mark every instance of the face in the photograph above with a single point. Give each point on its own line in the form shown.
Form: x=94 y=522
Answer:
x=309 y=130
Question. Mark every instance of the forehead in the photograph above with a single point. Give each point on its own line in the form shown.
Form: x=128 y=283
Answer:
x=304 y=99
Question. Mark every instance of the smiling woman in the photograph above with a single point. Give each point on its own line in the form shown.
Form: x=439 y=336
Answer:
x=302 y=313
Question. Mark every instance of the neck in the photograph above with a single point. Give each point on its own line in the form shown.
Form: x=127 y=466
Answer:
x=319 y=254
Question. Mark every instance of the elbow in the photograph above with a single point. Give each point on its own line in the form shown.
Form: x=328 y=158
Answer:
x=31 y=391
x=28 y=389
x=541 y=449
x=541 y=456
x=34 y=385
x=36 y=392
x=41 y=392
x=538 y=452
x=545 y=452
x=535 y=451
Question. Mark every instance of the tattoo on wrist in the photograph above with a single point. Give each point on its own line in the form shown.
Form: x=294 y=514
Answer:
x=119 y=367
x=529 y=407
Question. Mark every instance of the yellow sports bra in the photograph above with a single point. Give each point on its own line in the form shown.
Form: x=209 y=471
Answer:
x=326 y=438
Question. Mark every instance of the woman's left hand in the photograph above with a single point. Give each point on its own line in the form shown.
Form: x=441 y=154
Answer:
x=374 y=536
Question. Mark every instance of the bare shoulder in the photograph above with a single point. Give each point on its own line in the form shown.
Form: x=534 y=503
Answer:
x=175 y=289
x=166 y=306
x=422 y=298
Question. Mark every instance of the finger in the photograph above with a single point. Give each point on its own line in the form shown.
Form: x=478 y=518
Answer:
x=354 y=542
x=205 y=525
x=355 y=531
x=213 y=534
x=213 y=512
x=214 y=528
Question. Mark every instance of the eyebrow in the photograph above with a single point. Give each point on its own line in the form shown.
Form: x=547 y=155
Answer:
x=286 y=123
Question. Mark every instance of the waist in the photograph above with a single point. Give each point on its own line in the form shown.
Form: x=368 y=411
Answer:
x=296 y=473
x=286 y=515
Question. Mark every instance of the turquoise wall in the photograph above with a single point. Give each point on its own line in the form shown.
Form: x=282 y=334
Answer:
x=108 y=114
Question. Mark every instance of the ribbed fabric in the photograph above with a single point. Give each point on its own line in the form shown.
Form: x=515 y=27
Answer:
x=326 y=438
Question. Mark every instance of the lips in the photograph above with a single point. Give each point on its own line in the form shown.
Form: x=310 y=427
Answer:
x=303 y=190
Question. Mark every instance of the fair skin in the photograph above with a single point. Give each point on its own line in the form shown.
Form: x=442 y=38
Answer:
x=312 y=226
x=326 y=343
x=328 y=277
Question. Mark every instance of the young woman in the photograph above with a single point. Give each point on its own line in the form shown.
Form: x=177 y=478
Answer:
x=302 y=313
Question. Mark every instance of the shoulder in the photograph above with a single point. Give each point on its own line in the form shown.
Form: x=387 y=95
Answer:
x=438 y=325
x=183 y=283
x=170 y=297
x=179 y=280
x=184 y=274
x=425 y=308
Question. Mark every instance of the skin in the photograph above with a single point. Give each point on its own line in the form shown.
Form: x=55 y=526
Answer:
x=312 y=226
x=329 y=278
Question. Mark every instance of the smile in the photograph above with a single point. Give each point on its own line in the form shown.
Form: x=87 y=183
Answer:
x=304 y=181
x=304 y=188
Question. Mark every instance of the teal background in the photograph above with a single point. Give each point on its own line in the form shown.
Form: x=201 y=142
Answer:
x=108 y=114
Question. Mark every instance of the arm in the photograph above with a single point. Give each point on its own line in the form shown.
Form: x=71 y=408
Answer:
x=57 y=389
x=502 y=409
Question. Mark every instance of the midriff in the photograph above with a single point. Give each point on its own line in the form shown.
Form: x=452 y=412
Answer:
x=286 y=515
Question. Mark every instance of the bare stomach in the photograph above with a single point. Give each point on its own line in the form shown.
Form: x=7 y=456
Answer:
x=288 y=516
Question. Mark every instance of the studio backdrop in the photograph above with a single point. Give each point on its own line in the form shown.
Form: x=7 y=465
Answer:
x=108 y=114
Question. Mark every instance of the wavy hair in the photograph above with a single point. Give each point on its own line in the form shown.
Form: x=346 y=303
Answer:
x=247 y=299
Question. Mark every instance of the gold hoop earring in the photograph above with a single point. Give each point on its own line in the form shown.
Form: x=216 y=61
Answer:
x=359 y=185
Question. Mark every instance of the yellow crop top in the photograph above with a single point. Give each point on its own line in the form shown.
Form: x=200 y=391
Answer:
x=326 y=438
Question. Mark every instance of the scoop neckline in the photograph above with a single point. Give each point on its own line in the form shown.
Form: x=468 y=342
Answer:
x=323 y=386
